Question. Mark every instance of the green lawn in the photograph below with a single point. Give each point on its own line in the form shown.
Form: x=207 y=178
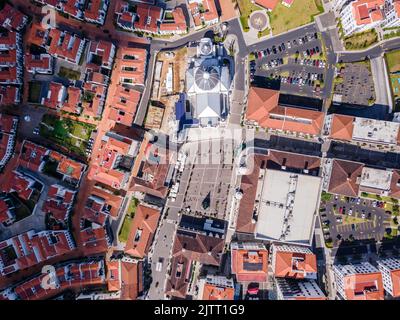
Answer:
x=246 y=8
x=361 y=40
x=301 y=12
x=393 y=60
x=130 y=214
x=69 y=73
x=67 y=133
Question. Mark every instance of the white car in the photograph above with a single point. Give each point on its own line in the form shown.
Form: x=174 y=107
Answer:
x=159 y=264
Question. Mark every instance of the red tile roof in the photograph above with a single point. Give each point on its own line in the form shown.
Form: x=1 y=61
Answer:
x=67 y=166
x=54 y=98
x=32 y=248
x=267 y=4
x=263 y=108
x=213 y=292
x=124 y=105
x=19 y=183
x=72 y=100
x=364 y=286
x=367 y=11
x=8 y=95
x=292 y=264
x=344 y=178
x=64 y=45
x=187 y=249
x=11 y=18
x=250 y=264
x=178 y=24
x=342 y=127
x=142 y=231
x=31 y=155
x=148 y=17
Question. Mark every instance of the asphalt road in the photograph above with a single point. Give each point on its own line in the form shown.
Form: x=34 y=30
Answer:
x=372 y=52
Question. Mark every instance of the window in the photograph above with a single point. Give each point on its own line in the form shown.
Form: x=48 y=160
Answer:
x=138 y=235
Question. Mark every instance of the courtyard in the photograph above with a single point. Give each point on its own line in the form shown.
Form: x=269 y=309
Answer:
x=67 y=133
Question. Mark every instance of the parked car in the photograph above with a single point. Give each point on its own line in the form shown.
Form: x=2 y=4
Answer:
x=36 y=131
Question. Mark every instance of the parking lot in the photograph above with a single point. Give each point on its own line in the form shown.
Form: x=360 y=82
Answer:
x=355 y=84
x=298 y=63
x=346 y=218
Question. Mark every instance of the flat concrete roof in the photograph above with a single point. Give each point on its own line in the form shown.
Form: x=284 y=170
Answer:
x=377 y=131
x=287 y=206
x=376 y=178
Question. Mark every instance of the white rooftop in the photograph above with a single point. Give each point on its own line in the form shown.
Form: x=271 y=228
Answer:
x=376 y=178
x=287 y=207
x=377 y=131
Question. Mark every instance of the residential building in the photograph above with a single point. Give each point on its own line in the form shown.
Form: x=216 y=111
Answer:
x=390 y=269
x=9 y=95
x=351 y=179
x=59 y=203
x=124 y=104
x=7 y=211
x=70 y=169
x=12 y=19
x=362 y=131
x=249 y=261
x=131 y=66
x=265 y=111
x=360 y=281
x=150 y=173
x=114 y=165
x=204 y=12
x=216 y=288
x=101 y=53
x=176 y=24
x=30 y=248
x=361 y=15
x=294 y=262
x=292 y=289
x=8 y=130
x=96 y=11
x=20 y=183
x=191 y=250
x=39 y=63
x=65 y=45
x=55 y=96
x=148 y=18
x=73 y=276
x=125 y=277
x=142 y=230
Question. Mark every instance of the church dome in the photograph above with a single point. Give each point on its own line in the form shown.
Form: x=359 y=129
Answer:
x=207 y=78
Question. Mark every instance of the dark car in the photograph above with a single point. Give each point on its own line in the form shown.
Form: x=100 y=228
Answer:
x=274 y=50
x=283 y=46
x=269 y=52
x=317 y=49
